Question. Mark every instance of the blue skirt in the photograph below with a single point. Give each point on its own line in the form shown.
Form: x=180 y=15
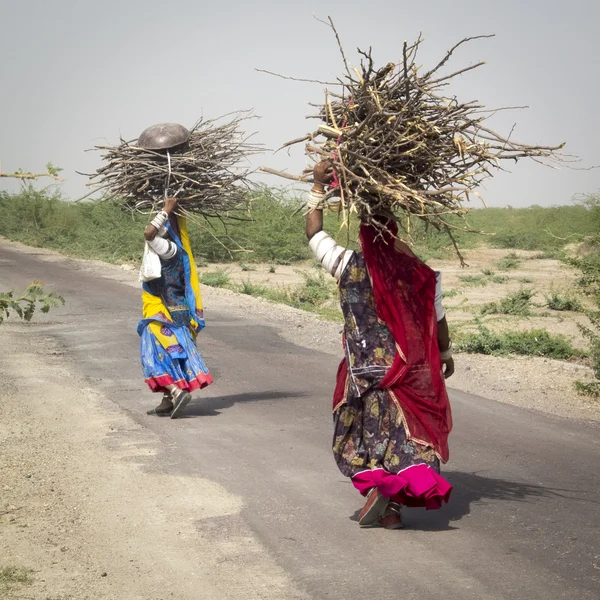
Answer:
x=180 y=364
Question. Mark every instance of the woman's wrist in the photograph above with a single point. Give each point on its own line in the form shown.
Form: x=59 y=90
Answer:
x=447 y=353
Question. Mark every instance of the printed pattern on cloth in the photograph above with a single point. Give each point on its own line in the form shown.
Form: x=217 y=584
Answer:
x=369 y=345
x=369 y=434
x=180 y=364
x=370 y=443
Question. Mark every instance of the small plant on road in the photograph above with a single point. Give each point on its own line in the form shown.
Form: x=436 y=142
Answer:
x=25 y=304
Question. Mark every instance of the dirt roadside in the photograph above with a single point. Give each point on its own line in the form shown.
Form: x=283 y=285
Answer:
x=85 y=497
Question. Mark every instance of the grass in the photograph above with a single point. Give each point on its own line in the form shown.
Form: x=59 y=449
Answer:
x=499 y=279
x=537 y=342
x=474 y=280
x=449 y=293
x=217 y=278
x=515 y=303
x=509 y=262
x=247 y=268
x=588 y=388
x=563 y=302
x=316 y=294
x=252 y=289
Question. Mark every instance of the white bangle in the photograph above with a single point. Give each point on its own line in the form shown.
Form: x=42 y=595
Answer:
x=315 y=201
x=447 y=354
x=160 y=219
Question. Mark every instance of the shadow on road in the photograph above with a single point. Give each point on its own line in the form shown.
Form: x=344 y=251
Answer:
x=469 y=489
x=211 y=407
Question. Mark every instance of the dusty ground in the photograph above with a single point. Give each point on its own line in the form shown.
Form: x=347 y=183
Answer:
x=82 y=510
x=85 y=491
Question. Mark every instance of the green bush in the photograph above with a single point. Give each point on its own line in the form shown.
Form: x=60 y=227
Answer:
x=516 y=303
x=588 y=264
x=217 y=278
x=508 y=262
x=536 y=342
x=556 y=301
x=273 y=230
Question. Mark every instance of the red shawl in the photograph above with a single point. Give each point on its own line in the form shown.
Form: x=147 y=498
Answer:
x=404 y=292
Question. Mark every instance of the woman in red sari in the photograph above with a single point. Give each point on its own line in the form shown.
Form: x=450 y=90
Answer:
x=391 y=411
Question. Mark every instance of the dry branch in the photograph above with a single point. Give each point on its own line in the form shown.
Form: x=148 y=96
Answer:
x=400 y=146
x=208 y=174
x=51 y=172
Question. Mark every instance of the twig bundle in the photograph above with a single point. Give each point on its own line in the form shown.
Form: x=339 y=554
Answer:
x=399 y=146
x=207 y=174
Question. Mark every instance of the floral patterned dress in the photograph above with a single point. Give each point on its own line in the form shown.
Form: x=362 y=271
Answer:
x=369 y=431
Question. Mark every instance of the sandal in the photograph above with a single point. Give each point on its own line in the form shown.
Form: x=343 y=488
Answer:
x=180 y=401
x=373 y=509
x=391 y=518
x=164 y=409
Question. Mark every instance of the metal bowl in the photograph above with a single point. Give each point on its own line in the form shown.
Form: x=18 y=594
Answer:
x=163 y=136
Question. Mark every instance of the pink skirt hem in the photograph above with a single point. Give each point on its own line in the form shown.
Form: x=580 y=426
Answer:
x=416 y=486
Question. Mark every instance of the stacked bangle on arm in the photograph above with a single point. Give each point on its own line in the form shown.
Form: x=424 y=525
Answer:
x=160 y=220
x=447 y=354
x=315 y=200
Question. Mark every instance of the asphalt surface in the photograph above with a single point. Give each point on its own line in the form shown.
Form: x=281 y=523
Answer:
x=524 y=517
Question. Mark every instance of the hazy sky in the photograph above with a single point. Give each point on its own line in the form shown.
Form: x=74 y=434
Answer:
x=77 y=73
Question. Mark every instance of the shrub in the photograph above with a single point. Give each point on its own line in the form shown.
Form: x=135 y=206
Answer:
x=562 y=302
x=537 y=342
x=500 y=279
x=508 y=262
x=516 y=303
x=474 y=280
x=217 y=278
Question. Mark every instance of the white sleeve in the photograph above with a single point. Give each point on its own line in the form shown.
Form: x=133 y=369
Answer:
x=439 y=309
x=164 y=248
x=332 y=256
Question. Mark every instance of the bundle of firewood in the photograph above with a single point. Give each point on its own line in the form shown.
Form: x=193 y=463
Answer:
x=400 y=145
x=206 y=169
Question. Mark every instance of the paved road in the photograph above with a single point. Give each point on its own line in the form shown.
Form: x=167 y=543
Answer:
x=524 y=520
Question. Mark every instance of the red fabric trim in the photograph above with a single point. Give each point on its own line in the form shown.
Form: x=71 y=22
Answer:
x=159 y=384
x=339 y=395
